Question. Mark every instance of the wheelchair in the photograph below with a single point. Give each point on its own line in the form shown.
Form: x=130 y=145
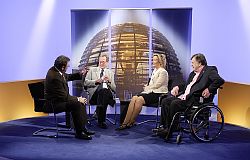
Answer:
x=204 y=121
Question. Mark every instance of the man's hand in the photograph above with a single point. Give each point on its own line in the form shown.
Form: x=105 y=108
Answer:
x=105 y=78
x=98 y=81
x=175 y=91
x=206 y=93
x=84 y=71
x=82 y=100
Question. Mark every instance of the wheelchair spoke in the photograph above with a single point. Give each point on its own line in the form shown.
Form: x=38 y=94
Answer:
x=204 y=124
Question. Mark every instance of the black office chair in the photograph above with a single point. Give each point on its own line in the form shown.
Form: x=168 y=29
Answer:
x=157 y=106
x=37 y=93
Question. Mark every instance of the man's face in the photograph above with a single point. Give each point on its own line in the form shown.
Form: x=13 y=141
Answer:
x=195 y=64
x=102 y=62
x=64 y=69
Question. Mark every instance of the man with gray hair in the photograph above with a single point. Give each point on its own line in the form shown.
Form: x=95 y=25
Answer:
x=100 y=82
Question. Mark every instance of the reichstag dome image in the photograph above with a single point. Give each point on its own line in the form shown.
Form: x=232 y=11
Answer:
x=130 y=55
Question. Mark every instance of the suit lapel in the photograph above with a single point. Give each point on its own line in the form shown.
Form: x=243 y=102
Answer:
x=98 y=72
x=192 y=74
x=201 y=74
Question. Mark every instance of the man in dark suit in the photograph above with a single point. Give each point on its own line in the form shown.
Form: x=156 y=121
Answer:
x=203 y=81
x=57 y=93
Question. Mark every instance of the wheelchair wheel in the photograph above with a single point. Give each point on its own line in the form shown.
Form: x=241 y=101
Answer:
x=207 y=123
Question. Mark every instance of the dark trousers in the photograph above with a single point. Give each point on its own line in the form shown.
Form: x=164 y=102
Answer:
x=77 y=110
x=102 y=98
x=170 y=106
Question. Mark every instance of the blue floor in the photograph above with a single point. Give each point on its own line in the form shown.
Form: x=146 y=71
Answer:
x=17 y=142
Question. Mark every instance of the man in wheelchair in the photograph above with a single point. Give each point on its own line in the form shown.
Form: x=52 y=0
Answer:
x=202 y=81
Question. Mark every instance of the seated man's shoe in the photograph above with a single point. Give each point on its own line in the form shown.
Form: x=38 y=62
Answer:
x=83 y=136
x=160 y=129
x=103 y=125
x=88 y=132
x=164 y=134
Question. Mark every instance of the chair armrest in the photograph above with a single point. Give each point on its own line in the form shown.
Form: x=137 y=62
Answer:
x=163 y=95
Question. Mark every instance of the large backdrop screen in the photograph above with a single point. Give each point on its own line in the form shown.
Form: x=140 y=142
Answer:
x=130 y=37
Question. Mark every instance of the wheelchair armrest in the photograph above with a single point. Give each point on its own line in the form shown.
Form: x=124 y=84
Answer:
x=163 y=95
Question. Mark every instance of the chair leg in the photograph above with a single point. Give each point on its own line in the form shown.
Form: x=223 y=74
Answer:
x=152 y=120
x=37 y=133
x=113 y=121
x=56 y=124
x=157 y=118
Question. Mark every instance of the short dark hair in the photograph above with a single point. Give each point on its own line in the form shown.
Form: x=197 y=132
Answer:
x=199 y=57
x=61 y=61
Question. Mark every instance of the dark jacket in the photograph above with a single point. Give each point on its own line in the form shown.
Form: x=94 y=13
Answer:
x=56 y=88
x=208 y=78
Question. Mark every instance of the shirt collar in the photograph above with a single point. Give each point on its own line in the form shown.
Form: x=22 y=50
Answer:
x=59 y=71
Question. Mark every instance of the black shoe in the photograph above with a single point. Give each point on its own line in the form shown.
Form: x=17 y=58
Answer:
x=131 y=125
x=122 y=127
x=83 y=136
x=156 y=130
x=103 y=125
x=164 y=134
x=88 y=132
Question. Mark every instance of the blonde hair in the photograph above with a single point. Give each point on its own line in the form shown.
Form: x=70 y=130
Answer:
x=162 y=59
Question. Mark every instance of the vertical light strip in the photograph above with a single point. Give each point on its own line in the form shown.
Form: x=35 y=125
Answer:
x=245 y=8
x=109 y=38
x=150 y=44
x=36 y=44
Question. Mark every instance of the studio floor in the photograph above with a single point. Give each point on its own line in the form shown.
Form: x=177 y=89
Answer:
x=17 y=142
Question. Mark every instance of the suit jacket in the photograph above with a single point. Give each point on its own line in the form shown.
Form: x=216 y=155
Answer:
x=94 y=74
x=208 y=78
x=158 y=82
x=56 y=87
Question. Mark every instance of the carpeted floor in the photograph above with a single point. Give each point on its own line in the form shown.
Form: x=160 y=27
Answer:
x=17 y=142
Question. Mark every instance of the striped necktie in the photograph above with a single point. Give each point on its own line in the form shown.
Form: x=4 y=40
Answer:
x=101 y=74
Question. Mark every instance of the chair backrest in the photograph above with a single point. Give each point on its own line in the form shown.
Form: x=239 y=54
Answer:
x=37 y=93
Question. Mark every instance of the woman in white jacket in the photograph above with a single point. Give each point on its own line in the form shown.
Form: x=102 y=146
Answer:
x=157 y=85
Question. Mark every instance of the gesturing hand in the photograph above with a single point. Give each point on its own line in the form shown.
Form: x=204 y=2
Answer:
x=82 y=100
x=84 y=71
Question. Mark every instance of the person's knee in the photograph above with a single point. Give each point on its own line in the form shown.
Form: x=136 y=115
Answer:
x=140 y=100
x=173 y=103
x=134 y=98
x=166 y=102
x=76 y=105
